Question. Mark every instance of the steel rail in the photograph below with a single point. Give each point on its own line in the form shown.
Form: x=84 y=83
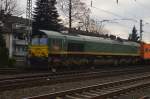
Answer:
x=68 y=73
x=100 y=91
x=48 y=78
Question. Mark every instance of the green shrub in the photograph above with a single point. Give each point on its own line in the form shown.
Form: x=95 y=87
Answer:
x=3 y=57
x=11 y=62
x=4 y=54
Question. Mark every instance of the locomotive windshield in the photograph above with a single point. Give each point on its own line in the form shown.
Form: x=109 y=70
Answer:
x=42 y=40
x=35 y=41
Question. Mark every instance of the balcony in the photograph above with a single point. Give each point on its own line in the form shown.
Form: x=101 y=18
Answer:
x=23 y=54
x=20 y=42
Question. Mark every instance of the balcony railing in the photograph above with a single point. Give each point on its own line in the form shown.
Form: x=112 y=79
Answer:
x=20 y=53
x=20 y=42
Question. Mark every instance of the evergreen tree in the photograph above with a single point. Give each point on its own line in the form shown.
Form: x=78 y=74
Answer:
x=3 y=51
x=134 y=36
x=46 y=16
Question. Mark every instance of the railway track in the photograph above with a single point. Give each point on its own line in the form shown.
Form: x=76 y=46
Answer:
x=100 y=91
x=32 y=80
x=8 y=70
x=32 y=74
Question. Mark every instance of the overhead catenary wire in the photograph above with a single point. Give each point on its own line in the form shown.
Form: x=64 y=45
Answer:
x=119 y=17
x=117 y=1
x=114 y=14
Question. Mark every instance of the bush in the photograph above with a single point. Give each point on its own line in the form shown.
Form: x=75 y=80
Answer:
x=11 y=62
x=3 y=57
x=4 y=54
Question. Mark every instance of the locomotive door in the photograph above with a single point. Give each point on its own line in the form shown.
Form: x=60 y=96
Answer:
x=56 y=51
x=57 y=45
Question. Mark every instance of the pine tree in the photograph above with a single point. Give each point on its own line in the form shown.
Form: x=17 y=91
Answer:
x=3 y=51
x=134 y=36
x=46 y=16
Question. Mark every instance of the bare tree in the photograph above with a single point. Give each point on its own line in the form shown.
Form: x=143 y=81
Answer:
x=80 y=12
x=9 y=7
x=95 y=26
x=80 y=16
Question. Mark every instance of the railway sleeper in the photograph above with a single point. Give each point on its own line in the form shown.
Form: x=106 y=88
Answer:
x=111 y=92
x=71 y=97
x=82 y=95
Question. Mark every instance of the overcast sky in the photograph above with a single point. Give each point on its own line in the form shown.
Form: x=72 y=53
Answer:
x=125 y=9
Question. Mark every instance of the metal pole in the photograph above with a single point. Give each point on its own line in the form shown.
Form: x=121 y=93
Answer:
x=29 y=25
x=70 y=17
x=141 y=30
x=29 y=19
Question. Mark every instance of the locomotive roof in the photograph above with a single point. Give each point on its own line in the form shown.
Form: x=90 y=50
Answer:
x=52 y=33
x=87 y=38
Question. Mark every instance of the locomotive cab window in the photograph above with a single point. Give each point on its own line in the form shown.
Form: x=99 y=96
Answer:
x=35 y=40
x=43 y=40
x=56 y=44
x=75 y=47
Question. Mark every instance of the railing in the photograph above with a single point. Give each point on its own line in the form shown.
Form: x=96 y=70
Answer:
x=20 y=42
x=20 y=53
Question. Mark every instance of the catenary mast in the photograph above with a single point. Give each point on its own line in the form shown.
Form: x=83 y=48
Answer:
x=70 y=15
x=29 y=19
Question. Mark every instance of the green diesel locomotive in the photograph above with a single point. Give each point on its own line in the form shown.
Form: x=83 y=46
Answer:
x=60 y=50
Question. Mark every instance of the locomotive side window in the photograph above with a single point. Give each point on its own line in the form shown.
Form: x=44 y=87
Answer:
x=56 y=44
x=75 y=47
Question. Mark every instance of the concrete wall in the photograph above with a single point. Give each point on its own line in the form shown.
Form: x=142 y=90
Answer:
x=9 y=43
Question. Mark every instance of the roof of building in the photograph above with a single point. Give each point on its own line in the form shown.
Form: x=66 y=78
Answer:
x=8 y=25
